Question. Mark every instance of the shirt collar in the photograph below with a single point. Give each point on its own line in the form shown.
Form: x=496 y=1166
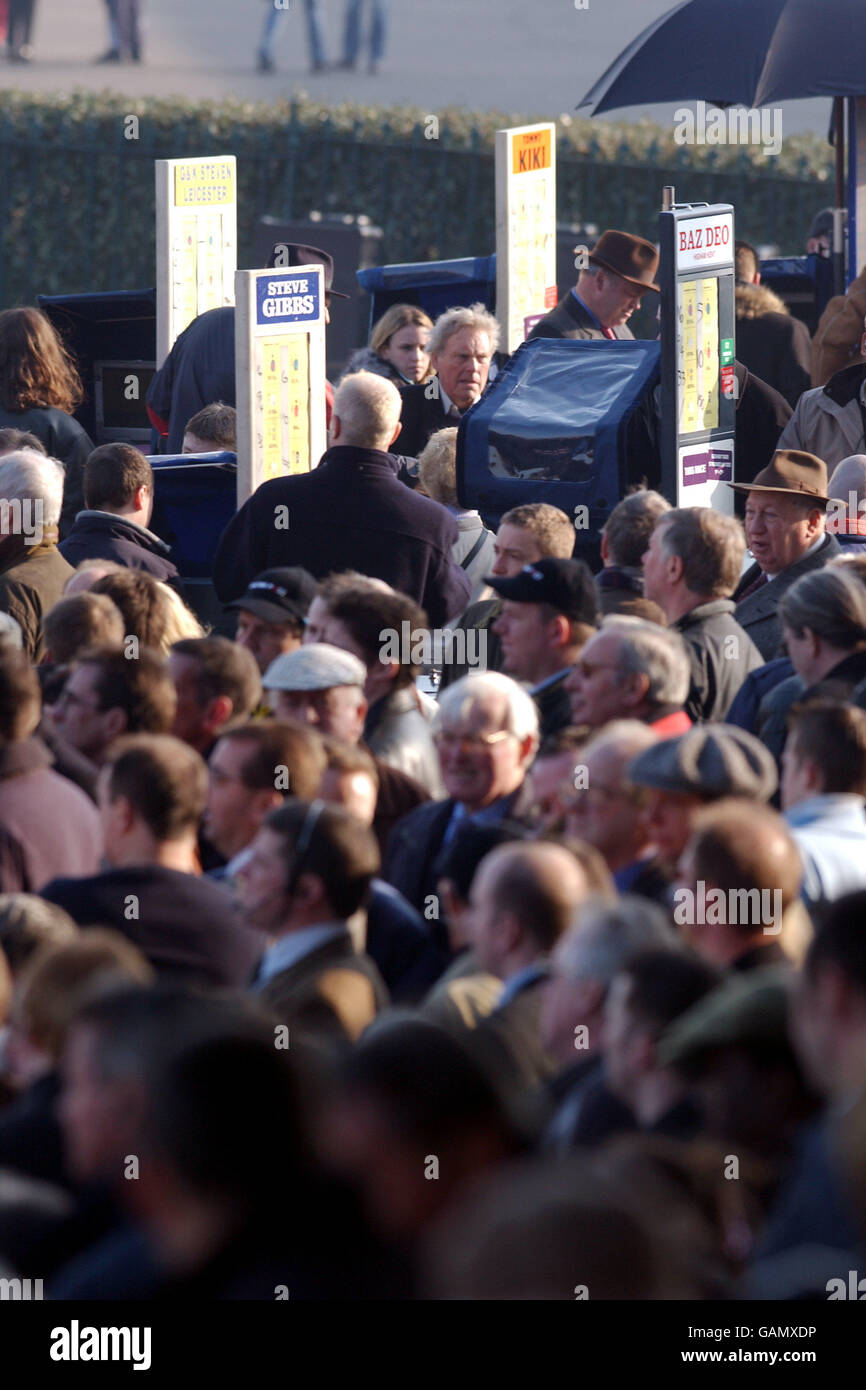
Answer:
x=549 y=681
x=292 y=947
x=521 y=980
x=598 y=323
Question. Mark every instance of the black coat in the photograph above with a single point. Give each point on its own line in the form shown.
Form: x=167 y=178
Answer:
x=103 y=536
x=199 y=370
x=422 y=415
x=758 y=612
x=721 y=656
x=65 y=440
x=350 y=513
x=762 y=414
x=772 y=343
x=187 y=927
x=570 y=320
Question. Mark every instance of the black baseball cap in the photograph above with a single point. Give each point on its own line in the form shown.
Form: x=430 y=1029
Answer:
x=279 y=595
x=567 y=585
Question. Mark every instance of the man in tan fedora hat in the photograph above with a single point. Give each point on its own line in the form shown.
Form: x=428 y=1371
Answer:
x=621 y=270
x=785 y=531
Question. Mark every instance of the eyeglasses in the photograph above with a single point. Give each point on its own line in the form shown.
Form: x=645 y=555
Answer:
x=447 y=740
x=588 y=669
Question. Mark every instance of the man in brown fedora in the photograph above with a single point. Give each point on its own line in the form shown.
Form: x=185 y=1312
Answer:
x=620 y=271
x=785 y=532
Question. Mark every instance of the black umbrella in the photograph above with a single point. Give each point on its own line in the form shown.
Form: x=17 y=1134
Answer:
x=750 y=53
x=744 y=52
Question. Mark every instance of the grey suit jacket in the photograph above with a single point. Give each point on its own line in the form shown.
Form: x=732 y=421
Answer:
x=570 y=320
x=758 y=613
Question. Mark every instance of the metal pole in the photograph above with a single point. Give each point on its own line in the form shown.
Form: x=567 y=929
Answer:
x=839 y=209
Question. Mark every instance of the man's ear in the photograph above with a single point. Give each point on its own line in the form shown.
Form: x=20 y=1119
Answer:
x=123 y=812
x=605 y=550
x=217 y=711
x=398 y=429
x=141 y=498
x=559 y=631
x=336 y=426
x=116 y=723
x=636 y=685
x=675 y=568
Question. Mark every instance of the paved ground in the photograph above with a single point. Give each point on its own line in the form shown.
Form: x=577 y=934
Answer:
x=533 y=57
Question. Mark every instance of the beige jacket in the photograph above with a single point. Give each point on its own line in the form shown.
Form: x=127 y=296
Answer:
x=836 y=343
x=827 y=420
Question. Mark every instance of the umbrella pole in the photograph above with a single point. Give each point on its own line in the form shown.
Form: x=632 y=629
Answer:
x=839 y=212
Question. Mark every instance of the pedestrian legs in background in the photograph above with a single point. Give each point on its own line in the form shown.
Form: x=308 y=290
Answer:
x=264 y=57
x=128 y=32
x=377 y=34
x=318 y=62
x=20 y=24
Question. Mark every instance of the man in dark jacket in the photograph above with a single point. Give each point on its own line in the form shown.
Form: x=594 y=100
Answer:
x=118 y=495
x=308 y=872
x=349 y=513
x=461 y=346
x=691 y=568
x=785 y=531
x=617 y=274
x=152 y=795
x=32 y=570
x=770 y=341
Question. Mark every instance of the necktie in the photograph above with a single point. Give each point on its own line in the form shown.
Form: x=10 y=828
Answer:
x=753 y=588
x=608 y=332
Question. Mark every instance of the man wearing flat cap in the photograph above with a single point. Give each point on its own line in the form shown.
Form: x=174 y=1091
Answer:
x=685 y=774
x=323 y=687
x=785 y=521
x=621 y=270
x=549 y=612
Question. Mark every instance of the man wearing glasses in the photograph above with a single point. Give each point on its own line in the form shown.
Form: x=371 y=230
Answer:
x=486 y=736
x=632 y=669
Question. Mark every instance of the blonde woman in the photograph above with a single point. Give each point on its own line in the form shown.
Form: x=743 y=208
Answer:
x=437 y=478
x=397 y=348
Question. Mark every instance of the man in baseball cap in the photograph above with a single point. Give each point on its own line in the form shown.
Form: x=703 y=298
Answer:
x=549 y=610
x=272 y=613
x=785 y=523
x=613 y=279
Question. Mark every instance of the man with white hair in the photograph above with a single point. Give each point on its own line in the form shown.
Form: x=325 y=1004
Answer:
x=486 y=734
x=846 y=512
x=461 y=347
x=32 y=570
x=349 y=513
x=632 y=669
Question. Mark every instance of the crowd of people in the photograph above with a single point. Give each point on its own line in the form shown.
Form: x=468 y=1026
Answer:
x=447 y=920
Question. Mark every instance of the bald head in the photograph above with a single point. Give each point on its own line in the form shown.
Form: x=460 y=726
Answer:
x=366 y=412
x=741 y=844
x=523 y=898
x=847 y=477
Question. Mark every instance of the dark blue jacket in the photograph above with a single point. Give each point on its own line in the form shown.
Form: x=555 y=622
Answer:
x=104 y=536
x=199 y=370
x=350 y=513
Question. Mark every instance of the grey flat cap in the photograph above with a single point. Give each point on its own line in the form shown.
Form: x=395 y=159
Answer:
x=711 y=760
x=318 y=666
x=749 y=1010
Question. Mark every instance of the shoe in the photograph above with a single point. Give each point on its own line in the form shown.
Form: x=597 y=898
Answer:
x=318 y=67
x=19 y=55
x=347 y=65
x=264 y=63
x=112 y=56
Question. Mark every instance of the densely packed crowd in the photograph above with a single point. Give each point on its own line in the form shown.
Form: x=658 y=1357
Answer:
x=448 y=921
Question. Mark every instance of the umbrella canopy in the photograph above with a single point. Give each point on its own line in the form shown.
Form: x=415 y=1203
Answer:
x=742 y=52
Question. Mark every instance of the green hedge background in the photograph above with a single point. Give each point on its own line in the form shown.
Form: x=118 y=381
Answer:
x=77 y=197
